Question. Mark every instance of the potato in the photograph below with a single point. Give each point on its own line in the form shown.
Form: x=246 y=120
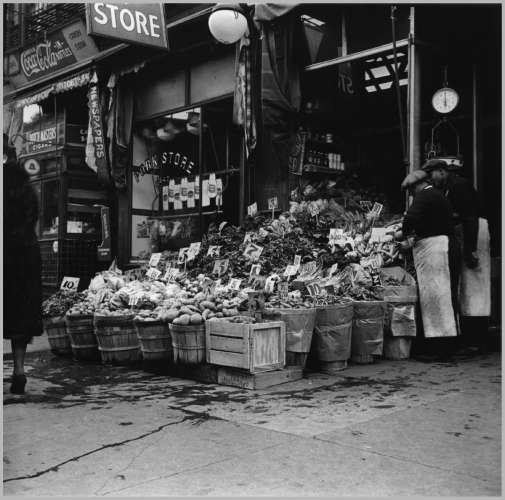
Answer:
x=184 y=319
x=196 y=319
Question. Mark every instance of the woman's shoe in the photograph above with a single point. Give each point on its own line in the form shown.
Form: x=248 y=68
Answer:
x=18 y=384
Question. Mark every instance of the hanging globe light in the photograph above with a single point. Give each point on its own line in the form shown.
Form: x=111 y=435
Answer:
x=227 y=23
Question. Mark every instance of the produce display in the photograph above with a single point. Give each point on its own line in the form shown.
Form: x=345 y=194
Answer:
x=326 y=250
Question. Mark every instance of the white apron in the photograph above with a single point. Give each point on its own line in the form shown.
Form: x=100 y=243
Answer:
x=431 y=259
x=475 y=284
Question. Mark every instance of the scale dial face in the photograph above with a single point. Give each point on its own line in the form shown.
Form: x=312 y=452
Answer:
x=445 y=100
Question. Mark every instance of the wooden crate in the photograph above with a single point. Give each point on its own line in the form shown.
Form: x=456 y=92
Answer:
x=252 y=347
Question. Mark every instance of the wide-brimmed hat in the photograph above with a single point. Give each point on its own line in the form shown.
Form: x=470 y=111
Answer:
x=414 y=178
x=434 y=164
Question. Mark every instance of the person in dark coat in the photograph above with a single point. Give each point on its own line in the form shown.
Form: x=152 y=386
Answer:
x=428 y=222
x=22 y=265
x=472 y=237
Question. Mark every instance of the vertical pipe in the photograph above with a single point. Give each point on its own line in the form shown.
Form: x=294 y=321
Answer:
x=241 y=201
x=475 y=156
x=344 y=34
x=200 y=169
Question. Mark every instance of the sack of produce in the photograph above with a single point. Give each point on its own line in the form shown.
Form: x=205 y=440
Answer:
x=367 y=330
x=332 y=332
x=400 y=292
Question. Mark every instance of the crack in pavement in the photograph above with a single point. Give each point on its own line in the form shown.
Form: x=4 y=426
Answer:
x=192 y=469
x=402 y=459
x=55 y=468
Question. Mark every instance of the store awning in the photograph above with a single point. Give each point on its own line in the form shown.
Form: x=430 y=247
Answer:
x=73 y=76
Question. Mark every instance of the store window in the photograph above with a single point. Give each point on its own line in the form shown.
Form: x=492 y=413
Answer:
x=50 y=202
x=184 y=176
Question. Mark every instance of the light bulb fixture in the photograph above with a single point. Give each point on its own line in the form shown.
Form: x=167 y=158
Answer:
x=228 y=23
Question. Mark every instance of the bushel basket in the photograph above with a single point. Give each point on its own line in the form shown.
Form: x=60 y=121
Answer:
x=117 y=338
x=59 y=340
x=188 y=343
x=155 y=340
x=81 y=331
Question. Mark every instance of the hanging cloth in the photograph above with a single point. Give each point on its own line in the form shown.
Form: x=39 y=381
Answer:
x=243 y=106
x=96 y=151
x=475 y=284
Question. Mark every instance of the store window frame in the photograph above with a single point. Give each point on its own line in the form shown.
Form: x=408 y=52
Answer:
x=188 y=106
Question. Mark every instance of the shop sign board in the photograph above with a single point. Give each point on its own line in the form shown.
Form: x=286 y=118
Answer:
x=45 y=136
x=137 y=23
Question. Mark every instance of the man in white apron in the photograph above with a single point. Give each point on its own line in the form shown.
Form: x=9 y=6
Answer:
x=429 y=221
x=472 y=233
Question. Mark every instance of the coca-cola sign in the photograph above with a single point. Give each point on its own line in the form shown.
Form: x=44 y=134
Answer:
x=46 y=57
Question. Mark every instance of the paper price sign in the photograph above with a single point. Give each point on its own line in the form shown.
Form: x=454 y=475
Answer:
x=155 y=258
x=234 y=284
x=333 y=269
x=252 y=210
x=376 y=209
x=153 y=273
x=270 y=284
x=134 y=300
x=220 y=266
x=272 y=203
x=378 y=235
x=183 y=254
x=308 y=268
x=290 y=270
x=194 y=250
x=298 y=261
x=376 y=279
x=214 y=251
x=253 y=252
x=314 y=289
x=70 y=284
x=255 y=270
x=171 y=274
x=283 y=290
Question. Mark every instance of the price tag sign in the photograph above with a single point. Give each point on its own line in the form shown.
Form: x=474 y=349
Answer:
x=234 y=284
x=336 y=237
x=153 y=273
x=220 y=266
x=252 y=210
x=308 y=268
x=283 y=290
x=333 y=269
x=155 y=258
x=183 y=255
x=70 y=284
x=313 y=209
x=376 y=209
x=171 y=274
x=314 y=289
x=298 y=261
x=376 y=279
x=134 y=299
x=255 y=270
x=248 y=237
x=194 y=250
x=253 y=252
x=272 y=203
x=214 y=251
x=290 y=270
x=379 y=235
x=270 y=283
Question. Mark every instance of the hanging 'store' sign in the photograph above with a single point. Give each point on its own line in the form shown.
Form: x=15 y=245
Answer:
x=133 y=22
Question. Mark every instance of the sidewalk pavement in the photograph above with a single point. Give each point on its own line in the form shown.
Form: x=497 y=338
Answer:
x=392 y=428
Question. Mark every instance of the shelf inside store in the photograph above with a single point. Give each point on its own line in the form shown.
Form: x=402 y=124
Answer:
x=326 y=146
x=317 y=169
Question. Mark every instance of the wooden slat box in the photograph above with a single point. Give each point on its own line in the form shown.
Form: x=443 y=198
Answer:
x=254 y=347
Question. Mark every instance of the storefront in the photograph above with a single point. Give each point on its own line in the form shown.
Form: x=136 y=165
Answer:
x=186 y=153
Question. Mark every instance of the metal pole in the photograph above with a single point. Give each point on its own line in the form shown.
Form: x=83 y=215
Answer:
x=242 y=183
x=475 y=156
